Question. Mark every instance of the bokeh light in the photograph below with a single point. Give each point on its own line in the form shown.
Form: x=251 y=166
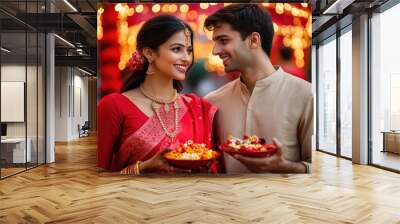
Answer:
x=291 y=21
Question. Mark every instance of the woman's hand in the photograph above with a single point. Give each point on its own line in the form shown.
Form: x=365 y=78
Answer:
x=157 y=164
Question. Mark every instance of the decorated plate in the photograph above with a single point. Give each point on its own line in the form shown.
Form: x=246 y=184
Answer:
x=191 y=155
x=251 y=146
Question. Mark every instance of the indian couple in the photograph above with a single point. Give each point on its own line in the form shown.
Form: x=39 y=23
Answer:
x=150 y=116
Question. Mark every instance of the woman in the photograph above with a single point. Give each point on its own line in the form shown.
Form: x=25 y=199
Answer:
x=135 y=127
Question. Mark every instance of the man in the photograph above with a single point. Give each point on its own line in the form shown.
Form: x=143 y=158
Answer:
x=265 y=101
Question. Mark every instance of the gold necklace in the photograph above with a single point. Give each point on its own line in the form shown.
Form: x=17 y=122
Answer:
x=159 y=100
x=156 y=104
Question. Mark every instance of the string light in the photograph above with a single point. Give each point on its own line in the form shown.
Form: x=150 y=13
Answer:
x=192 y=15
x=287 y=7
x=131 y=40
x=184 y=8
x=131 y=11
x=279 y=9
x=118 y=7
x=300 y=63
x=296 y=42
x=295 y=12
x=296 y=36
x=139 y=8
x=287 y=42
x=172 y=8
x=305 y=5
x=165 y=8
x=200 y=20
x=156 y=8
x=204 y=5
x=298 y=53
x=100 y=12
x=296 y=21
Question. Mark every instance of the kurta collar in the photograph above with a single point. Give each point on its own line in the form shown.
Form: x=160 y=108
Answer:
x=262 y=82
x=244 y=92
x=271 y=78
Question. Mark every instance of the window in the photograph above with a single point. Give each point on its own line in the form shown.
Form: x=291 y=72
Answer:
x=385 y=89
x=327 y=96
x=22 y=75
x=346 y=75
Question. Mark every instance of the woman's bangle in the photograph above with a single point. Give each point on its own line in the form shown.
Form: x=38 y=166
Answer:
x=136 y=169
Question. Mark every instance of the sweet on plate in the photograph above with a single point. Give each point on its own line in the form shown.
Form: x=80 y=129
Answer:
x=191 y=155
x=249 y=146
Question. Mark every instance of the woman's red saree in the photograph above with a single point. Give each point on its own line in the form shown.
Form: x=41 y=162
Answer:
x=127 y=135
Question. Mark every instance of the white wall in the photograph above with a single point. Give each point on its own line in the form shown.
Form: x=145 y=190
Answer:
x=61 y=103
x=13 y=73
x=71 y=93
x=80 y=109
x=34 y=125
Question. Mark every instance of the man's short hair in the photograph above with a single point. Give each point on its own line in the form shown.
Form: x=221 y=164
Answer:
x=245 y=18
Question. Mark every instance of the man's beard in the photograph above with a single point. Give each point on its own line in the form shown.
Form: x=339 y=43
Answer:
x=232 y=67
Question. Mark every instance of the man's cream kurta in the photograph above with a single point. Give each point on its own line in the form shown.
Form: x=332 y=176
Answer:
x=280 y=106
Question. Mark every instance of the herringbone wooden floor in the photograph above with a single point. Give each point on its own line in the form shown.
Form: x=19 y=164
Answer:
x=71 y=191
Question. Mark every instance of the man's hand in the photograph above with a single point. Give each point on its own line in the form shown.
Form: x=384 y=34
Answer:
x=272 y=164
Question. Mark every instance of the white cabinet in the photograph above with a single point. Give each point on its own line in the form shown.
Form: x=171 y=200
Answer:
x=15 y=148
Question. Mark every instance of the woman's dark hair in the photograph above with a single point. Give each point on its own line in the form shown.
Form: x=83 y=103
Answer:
x=245 y=18
x=154 y=33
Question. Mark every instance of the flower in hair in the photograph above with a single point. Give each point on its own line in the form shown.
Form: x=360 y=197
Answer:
x=136 y=62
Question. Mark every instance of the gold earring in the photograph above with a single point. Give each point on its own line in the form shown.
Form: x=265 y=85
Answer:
x=187 y=35
x=150 y=69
